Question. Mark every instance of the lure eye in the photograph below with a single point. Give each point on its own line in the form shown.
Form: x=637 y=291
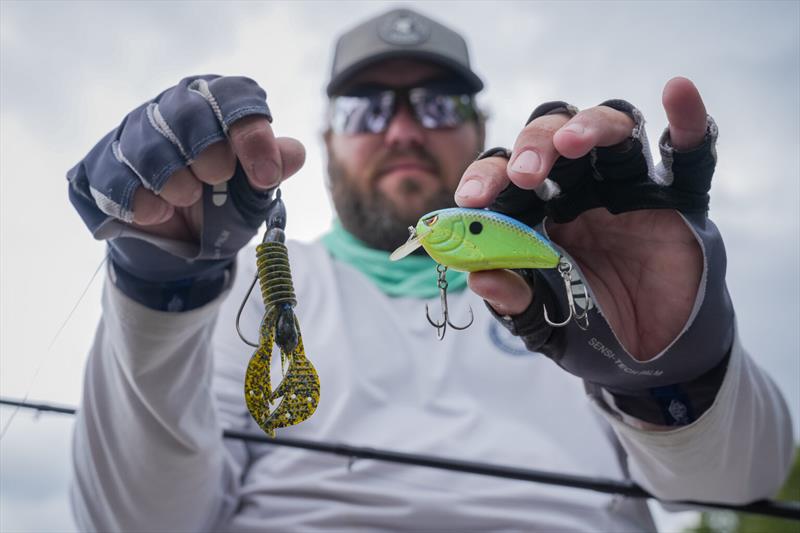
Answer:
x=431 y=221
x=475 y=227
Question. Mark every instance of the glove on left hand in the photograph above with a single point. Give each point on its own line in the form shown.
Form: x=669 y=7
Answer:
x=677 y=385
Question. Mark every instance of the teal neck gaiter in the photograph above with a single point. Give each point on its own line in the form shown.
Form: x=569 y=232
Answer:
x=413 y=276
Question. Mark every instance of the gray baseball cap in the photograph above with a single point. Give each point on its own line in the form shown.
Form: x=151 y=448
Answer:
x=400 y=33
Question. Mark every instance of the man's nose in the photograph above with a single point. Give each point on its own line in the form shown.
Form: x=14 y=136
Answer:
x=404 y=128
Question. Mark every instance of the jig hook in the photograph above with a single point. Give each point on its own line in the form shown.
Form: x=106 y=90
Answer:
x=441 y=327
x=274 y=221
x=581 y=317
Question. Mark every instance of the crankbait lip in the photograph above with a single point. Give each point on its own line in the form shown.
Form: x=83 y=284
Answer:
x=414 y=241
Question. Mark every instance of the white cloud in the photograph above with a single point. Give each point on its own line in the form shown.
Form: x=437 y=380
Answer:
x=35 y=466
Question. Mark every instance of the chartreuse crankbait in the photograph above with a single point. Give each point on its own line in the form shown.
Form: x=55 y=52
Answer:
x=471 y=240
x=299 y=389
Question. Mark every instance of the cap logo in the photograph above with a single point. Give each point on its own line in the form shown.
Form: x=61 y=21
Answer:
x=405 y=29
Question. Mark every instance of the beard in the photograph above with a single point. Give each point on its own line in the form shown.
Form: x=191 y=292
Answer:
x=370 y=215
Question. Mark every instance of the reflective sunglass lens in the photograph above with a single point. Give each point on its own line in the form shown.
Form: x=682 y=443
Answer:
x=362 y=114
x=435 y=110
x=372 y=113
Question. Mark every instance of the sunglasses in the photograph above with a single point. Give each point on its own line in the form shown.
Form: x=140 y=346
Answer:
x=369 y=109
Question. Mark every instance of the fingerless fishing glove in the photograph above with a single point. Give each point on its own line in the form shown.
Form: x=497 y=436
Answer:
x=679 y=384
x=152 y=142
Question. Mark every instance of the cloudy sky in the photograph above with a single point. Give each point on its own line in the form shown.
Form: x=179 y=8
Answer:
x=70 y=71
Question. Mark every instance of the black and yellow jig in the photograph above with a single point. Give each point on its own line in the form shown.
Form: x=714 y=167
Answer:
x=299 y=389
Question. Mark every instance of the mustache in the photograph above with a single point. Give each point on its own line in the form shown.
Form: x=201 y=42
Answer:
x=417 y=152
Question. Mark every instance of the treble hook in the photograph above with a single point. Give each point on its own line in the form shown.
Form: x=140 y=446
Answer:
x=581 y=318
x=441 y=327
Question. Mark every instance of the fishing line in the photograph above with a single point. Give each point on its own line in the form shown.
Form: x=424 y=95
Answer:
x=778 y=509
x=44 y=357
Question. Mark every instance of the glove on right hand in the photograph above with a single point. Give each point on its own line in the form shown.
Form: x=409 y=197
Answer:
x=156 y=139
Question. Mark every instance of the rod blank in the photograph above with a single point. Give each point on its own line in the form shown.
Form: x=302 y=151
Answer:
x=776 y=509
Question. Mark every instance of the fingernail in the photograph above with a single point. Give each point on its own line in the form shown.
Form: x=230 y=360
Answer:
x=165 y=213
x=197 y=193
x=470 y=189
x=265 y=172
x=575 y=128
x=528 y=162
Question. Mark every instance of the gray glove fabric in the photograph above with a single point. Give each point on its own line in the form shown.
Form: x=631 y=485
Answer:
x=152 y=142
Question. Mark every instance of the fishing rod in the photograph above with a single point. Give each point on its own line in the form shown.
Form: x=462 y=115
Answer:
x=775 y=509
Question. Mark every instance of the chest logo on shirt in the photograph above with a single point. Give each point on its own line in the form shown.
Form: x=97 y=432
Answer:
x=507 y=342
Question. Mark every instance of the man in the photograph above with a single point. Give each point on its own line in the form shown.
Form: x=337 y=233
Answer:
x=666 y=395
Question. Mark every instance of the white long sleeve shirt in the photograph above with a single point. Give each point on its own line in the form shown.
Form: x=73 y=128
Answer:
x=160 y=387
